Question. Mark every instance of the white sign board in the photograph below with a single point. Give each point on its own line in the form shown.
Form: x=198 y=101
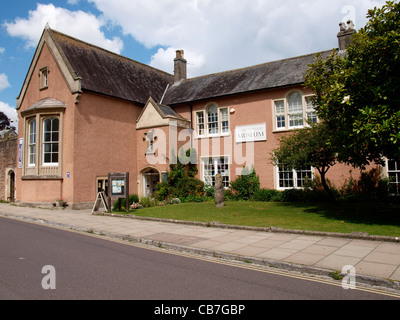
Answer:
x=254 y=132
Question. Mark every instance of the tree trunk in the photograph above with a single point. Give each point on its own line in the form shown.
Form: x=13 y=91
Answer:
x=322 y=173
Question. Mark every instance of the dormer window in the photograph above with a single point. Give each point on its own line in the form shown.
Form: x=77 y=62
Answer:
x=43 y=74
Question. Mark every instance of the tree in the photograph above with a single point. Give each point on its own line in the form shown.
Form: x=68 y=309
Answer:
x=357 y=94
x=310 y=146
x=4 y=121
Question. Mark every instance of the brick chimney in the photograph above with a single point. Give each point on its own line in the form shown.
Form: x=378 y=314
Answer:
x=346 y=34
x=180 y=66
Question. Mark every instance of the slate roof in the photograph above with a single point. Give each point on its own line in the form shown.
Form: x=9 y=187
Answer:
x=260 y=77
x=111 y=74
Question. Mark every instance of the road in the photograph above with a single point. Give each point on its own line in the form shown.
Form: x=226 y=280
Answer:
x=86 y=267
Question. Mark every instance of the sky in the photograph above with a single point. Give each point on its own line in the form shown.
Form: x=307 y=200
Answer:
x=216 y=35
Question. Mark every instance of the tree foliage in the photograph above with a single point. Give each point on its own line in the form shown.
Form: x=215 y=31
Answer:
x=310 y=146
x=357 y=93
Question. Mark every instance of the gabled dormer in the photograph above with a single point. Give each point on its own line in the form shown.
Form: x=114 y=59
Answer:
x=159 y=115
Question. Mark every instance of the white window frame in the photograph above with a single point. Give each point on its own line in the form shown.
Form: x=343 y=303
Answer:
x=51 y=142
x=216 y=162
x=286 y=117
x=32 y=139
x=44 y=78
x=221 y=125
x=394 y=173
x=295 y=177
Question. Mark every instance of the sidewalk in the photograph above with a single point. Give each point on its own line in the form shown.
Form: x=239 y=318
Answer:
x=376 y=260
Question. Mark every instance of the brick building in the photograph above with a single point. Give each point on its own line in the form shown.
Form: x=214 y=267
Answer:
x=85 y=112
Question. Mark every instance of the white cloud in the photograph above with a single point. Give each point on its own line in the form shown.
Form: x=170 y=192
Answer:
x=73 y=2
x=10 y=112
x=82 y=25
x=4 y=81
x=2 y=50
x=226 y=34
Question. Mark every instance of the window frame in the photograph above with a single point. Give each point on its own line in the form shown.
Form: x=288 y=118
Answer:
x=285 y=117
x=396 y=173
x=296 y=176
x=215 y=163
x=41 y=111
x=44 y=78
x=32 y=145
x=221 y=123
x=51 y=142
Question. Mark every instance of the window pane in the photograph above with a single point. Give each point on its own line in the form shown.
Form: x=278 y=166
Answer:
x=296 y=120
x=46 y=137
x=212 y=118
x=200 y=123
x=279 y=108
x=47 y=125
x=295 y=108
x=224 y=120
x=55 y=124
x=280 y=122
x=392 y=165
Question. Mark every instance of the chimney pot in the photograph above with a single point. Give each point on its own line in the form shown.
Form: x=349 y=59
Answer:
x=350 y=25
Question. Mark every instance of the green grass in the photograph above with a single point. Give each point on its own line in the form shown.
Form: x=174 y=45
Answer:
x=373 y=218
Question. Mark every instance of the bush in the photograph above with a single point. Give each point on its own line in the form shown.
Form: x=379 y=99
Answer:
x=267 y=195
x=132 y=198
x=181 y=183
x=246 y=185
x=293 y=195
x=148 y=202
x=369 y=187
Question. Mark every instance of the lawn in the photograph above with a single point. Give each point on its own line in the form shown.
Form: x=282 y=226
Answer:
x=373 y=218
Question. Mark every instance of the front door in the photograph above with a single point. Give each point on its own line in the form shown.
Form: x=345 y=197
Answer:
x=150 y=181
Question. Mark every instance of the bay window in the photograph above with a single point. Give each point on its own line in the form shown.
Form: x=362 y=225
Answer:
x=43 y=140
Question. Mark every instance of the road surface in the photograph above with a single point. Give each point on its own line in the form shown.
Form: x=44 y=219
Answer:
x=40 y=262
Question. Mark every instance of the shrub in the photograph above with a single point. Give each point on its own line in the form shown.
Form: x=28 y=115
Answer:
x=267 y=195
x=369 y=187
x=148 y=202
x=293 y=195
x=209 y=191
x=246 y=185
x=132 y=198
x=181 y=182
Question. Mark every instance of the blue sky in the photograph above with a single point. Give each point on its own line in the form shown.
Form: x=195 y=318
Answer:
x=216 y=35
